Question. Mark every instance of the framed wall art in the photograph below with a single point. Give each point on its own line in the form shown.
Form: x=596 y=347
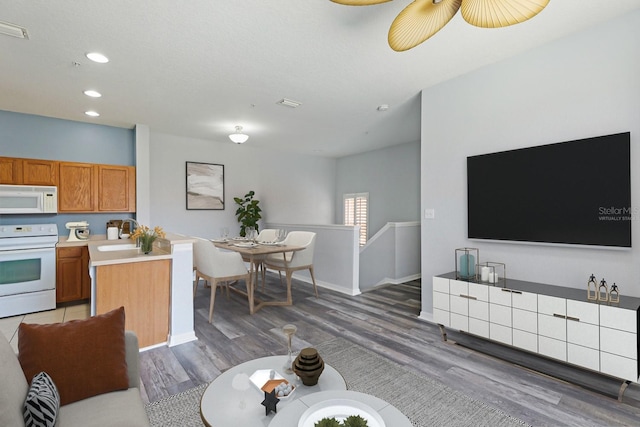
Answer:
x=205 y=186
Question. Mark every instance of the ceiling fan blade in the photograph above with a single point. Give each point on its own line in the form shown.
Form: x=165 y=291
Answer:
x=500 y=13
x=419 y=21
x=359 y=2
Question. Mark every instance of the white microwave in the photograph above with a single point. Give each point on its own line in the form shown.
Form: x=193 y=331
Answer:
x=28 y=199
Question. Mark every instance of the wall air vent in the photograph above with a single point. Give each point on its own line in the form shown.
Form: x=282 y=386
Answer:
x=13 y=30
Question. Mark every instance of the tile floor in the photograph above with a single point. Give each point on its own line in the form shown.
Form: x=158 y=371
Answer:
x=9 y=325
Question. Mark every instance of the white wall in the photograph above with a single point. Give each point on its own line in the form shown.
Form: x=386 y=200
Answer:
x=390 y=175
x=391 y=256
x=581 y=86
x=292 y=188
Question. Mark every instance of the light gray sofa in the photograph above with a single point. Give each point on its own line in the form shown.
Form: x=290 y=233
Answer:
x=118 y=408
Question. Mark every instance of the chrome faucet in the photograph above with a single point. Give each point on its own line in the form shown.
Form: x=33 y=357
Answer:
x=133 y=222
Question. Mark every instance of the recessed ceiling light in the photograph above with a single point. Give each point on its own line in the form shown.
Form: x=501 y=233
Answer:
x=13 y=30
x=93 y=93
x=92 y=113
x=97 y=57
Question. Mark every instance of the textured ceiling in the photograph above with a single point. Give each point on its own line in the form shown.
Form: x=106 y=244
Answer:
x=198 y=68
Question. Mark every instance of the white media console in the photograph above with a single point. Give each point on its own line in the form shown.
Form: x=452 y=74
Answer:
x=551 y=321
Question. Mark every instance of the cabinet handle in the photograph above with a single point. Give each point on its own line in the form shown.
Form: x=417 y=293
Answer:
x=562 y=316
x=575 y=319
x=468 y=297
x=511 y=290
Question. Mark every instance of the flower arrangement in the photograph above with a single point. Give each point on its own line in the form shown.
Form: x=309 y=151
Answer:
x=146 y=237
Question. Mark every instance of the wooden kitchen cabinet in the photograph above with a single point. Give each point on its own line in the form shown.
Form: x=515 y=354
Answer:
x=77 y=188
x=10 y=170
x=39 y=172
x=82 y=187
x=72 y=274
x=28 y=171
x=116 y=188
x=88 y=187
x=143 y=289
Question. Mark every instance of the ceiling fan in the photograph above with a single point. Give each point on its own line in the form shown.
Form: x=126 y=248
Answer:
x=423 y=18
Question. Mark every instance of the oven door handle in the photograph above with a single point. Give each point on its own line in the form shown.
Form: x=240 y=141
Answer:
x=14 y=251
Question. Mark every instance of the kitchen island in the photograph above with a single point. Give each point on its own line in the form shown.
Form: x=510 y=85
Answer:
x=155 y=289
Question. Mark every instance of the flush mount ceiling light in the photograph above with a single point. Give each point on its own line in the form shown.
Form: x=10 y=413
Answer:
x=423 y=18
x=13 y=30
x=97 y=57
x=92 y=93
x=92 y=113
x=239 y=137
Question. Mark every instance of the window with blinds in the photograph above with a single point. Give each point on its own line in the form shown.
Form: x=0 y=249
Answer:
x=356 y=213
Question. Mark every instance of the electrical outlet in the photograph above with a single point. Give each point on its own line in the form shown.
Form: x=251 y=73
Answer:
x=429 y=214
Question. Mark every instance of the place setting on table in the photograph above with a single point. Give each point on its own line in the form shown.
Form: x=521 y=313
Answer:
x=288 y=391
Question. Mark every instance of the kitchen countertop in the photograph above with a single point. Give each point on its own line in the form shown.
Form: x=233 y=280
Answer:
x=161 y=249
x=63 y=240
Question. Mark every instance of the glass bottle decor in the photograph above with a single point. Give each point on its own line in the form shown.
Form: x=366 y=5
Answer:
x=466 y=263
x=289 y=330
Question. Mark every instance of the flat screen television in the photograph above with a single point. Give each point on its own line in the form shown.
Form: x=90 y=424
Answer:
x=576 y=193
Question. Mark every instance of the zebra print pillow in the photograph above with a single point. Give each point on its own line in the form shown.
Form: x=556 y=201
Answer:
x=42 y=402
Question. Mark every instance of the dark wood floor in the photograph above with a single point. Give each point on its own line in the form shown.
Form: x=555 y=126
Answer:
x=386 y=321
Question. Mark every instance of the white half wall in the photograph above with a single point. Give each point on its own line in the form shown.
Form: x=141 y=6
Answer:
x=336 y=256
x=580 y=86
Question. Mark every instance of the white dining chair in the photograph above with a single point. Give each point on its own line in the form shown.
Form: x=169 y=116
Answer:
x=217 y=267
x=293 y=261
x=267 y=235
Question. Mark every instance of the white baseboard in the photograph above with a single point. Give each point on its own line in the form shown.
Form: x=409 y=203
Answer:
x=181 y=339
x=327 y=285
x=390 y=281
x=426 y=316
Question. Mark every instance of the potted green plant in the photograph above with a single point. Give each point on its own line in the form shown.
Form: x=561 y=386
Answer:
x=248 y=212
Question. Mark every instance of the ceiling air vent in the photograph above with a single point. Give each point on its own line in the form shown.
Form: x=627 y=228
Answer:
x=289 y=103
x=13 y=30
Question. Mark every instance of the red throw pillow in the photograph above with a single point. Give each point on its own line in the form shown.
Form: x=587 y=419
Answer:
x=83 y=357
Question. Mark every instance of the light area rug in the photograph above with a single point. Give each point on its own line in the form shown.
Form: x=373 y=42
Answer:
x=424 y=400
x=178 y=410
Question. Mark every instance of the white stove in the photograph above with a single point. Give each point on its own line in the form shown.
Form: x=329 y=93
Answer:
x=27 y=268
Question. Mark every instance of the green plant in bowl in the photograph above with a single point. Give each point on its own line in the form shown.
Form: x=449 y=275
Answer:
x=328 y=422
x=355 y=421
x=352 y=421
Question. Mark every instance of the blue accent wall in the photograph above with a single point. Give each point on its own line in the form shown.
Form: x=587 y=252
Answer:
x=37 y=137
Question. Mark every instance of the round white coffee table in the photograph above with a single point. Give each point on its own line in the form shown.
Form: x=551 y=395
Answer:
x=228 y=403
x=290 y=416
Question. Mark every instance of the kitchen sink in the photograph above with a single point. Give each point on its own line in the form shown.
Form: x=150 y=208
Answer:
x=119 y=247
